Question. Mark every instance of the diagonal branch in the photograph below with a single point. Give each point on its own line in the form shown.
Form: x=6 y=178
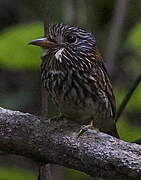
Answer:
x=94 y=153
x=128 y=97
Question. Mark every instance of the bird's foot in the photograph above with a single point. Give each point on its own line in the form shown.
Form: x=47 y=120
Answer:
x=84 y=128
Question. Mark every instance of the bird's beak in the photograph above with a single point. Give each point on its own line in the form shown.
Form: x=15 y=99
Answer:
x=43 y=42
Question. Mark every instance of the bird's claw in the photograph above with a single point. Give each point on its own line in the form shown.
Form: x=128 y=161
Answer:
x=84 y=128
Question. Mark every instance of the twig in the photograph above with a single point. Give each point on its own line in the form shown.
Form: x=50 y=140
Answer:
x=94 y=153
x=127 y=97
x=44 y=170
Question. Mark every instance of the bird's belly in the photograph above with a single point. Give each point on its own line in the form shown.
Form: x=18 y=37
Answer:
x=72 y=102
x=80 y=110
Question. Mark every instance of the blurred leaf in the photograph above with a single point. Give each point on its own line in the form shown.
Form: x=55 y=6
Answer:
x=75 y=175
x=134 y=104
x=15 y=174
x=133 y=39
x=15 y=53
x=133 y=44
x=127 y=131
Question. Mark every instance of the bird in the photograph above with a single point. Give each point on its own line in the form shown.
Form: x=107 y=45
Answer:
x=74 y=74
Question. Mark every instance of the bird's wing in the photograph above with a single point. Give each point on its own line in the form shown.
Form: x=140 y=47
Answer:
x=103 y=82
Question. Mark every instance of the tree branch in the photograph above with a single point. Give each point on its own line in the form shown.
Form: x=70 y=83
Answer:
x=94 y=153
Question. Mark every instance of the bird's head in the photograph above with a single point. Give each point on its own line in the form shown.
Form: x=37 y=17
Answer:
x=68 y=44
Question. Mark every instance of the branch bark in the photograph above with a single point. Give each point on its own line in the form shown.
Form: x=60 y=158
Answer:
x=94 y=153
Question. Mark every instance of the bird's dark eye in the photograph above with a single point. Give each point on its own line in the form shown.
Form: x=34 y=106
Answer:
x=71 y=39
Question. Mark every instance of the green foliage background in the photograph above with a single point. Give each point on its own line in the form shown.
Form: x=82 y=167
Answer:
x=17 y=56
x=15 y=52
x=15 y=174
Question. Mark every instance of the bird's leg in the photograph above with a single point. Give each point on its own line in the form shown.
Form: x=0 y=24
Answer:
x=84 y=128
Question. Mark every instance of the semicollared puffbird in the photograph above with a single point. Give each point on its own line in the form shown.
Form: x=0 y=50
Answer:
x=74 y=74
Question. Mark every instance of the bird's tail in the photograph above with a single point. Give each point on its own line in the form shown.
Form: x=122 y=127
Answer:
x=112 y=131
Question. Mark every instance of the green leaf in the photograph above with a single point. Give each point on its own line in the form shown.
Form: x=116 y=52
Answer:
x=133 y=44
x=128 y=132
x=15 y=53
x=134 y=103
x=133 y=39
x=75 y=175
x=9 y=173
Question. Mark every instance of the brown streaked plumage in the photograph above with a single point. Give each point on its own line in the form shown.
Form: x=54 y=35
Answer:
x=74 y=74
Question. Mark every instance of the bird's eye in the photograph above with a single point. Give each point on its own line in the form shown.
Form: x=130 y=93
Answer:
x=71 y=39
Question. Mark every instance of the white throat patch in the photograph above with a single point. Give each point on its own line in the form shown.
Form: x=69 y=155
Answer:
x=58 y=54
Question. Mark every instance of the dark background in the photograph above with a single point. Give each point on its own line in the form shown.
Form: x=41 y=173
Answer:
x=117 y=27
